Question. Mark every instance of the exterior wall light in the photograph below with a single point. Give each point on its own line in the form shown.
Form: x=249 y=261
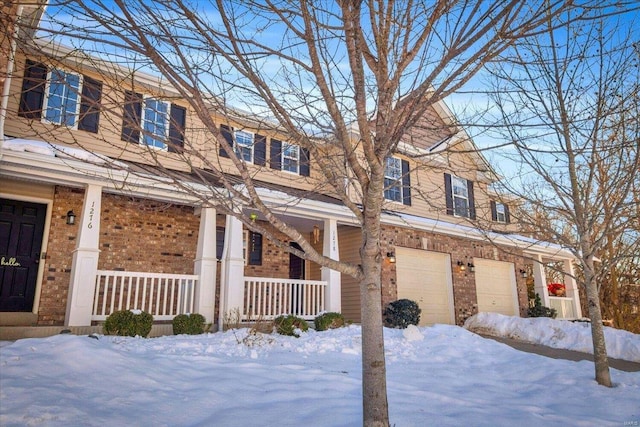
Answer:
x=524 y=274
x=71 y=218
x=391 y=256
x=472 y=267
x=461 y=266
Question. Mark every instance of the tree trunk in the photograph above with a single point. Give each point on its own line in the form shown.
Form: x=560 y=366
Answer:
x=601 y=362
x=374 y=382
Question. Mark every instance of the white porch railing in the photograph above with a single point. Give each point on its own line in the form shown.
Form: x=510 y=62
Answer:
x=162 y=295
x=266 y=298
x=564 y=307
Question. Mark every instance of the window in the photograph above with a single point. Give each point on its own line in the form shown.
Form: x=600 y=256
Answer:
x=397 y=184
x=290 y=158
x=219 y=242
x=500 y=212
x=153 y=122
x=459 y=196
x=254 y=247
x=251 y=148
x=60 y=97
x=61 y=104
x=244 y=145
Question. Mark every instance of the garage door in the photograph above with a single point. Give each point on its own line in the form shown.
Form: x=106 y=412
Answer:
x=496 y=286
x=425 y=277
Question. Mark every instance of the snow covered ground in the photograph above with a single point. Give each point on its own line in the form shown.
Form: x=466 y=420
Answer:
x=440 y=375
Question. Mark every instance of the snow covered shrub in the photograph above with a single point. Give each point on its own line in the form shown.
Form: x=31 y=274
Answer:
x=402 y=313
x=290 y=325
x=128 y=323
x=539 y=310
x=190 y=324
x=330 y=320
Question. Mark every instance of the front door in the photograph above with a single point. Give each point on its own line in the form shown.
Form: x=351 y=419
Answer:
x=21 y=231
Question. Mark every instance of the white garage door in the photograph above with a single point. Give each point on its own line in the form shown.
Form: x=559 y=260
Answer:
x=425 y=277
x=496 y=286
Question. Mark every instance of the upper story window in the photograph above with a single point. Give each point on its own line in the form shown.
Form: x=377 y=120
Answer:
x=290 y=158
x=153 y=122
x=60 y=97
x=500 y=212
x=244 y=145
x=459 y=196
x=397 y=181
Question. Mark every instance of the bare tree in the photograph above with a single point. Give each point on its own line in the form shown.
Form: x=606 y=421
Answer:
x=318 y=71
x=568 y=101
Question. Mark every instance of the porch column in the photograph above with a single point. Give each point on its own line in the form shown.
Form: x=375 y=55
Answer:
x=572 y=287
x=540 y=281
x=206 y=265
x=84 y=266
x=232 y=273
x=332 y=277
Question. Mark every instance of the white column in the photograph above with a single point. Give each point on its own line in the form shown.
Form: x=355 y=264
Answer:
x=540 y=281
x=332 y=277
x=206 y=265
x=232 y=270
x=84 y=266
x=572 y=287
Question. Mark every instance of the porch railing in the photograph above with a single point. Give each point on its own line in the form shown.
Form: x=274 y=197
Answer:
x=162 y=295
x=266 y=298
x=564 y=307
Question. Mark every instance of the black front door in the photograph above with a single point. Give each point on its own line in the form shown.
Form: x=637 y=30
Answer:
x=296 y=271
x=21 y=230
x=296 y=264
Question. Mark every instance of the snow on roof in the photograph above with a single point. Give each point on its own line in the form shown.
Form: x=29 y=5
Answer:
x=56 y=150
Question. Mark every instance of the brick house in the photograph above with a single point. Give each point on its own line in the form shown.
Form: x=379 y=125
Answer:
x=81 y=238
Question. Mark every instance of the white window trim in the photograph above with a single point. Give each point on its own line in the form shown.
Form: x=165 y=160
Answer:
x=251 y=146
x=499 y=212
x=45 y=103
x=454 y=196
x=282 y=157
x=143 y=115
x=398 y=181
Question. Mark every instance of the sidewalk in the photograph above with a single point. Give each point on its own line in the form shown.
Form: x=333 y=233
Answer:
x=556 y=353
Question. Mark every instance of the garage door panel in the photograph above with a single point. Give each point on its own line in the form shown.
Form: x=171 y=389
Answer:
x=425 y=277
x=495 y=286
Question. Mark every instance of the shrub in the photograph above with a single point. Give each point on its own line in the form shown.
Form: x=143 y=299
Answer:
x=290 y=325
x=128 y=323
x=330 y=320
x=191 y=324
x=539 y=310
x=402 y=313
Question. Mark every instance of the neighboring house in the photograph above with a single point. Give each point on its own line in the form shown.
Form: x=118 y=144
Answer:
x=80 y=238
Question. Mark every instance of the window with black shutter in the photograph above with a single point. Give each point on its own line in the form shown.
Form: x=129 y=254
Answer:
x=90 y=105
x=131 y=115
x=459 y=196
x=33 y=86
x=176 y=128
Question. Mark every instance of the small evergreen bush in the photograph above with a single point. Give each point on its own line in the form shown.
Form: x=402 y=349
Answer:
x=128 y=323
x=190 y=324
x=402 y=313
x=329 y=320
x=290 y=325
x=539 y=310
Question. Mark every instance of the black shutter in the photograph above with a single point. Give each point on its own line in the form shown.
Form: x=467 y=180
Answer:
x=472 y=205
x=33 y=84
x=406 y=183
x=305 y=162
x=255 y=248
x=507 y=215
x=494 y=211
x=90 y=105
x=226 y=134
x=176 y=128
x=260 y=150
x=131 y=116
x=275 y=154
x=448 y=195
